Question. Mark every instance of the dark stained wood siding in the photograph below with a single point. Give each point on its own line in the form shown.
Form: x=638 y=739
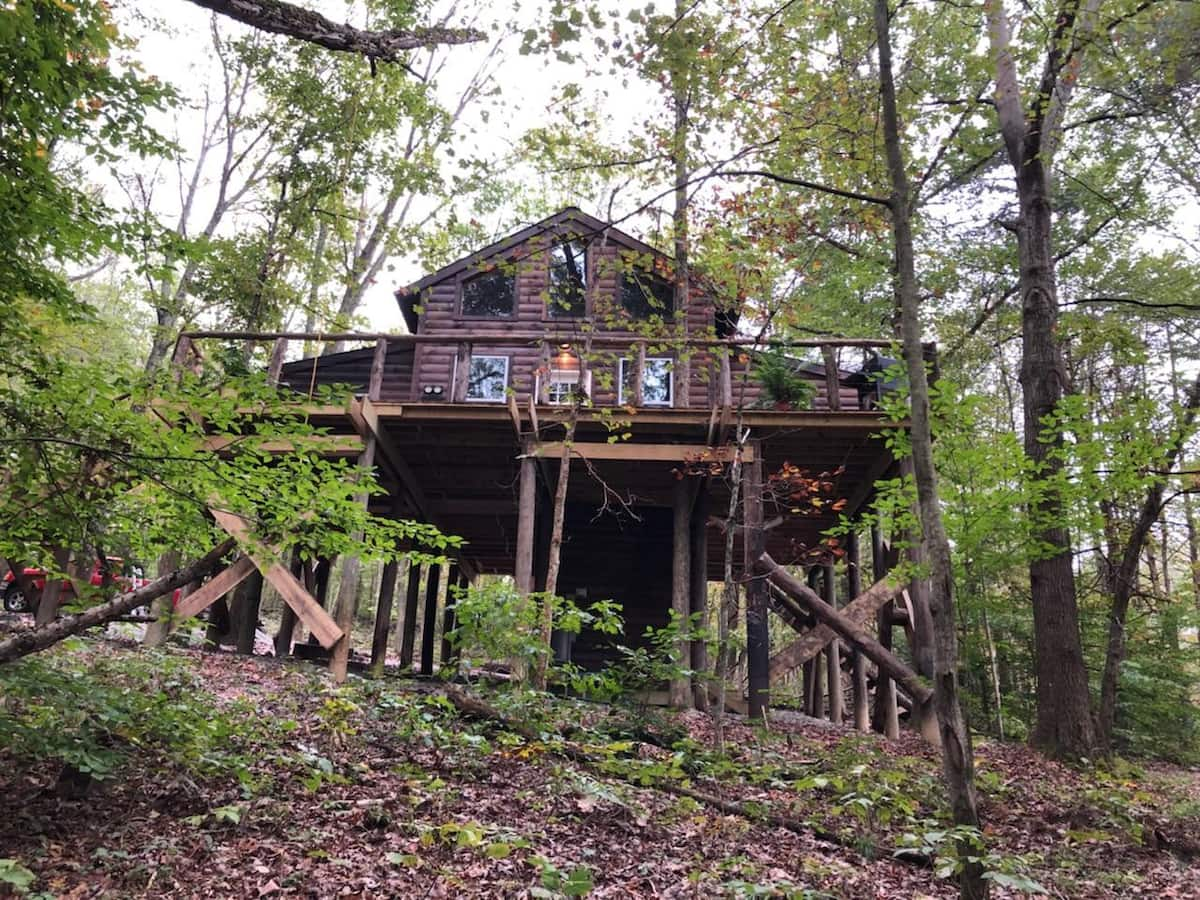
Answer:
x=353 y=368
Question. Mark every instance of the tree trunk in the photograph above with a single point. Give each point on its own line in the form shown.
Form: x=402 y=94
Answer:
x=46 y=636
x=958 y=767
x=538 y=679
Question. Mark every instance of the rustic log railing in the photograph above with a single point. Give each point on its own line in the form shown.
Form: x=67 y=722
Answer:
x=722 y=350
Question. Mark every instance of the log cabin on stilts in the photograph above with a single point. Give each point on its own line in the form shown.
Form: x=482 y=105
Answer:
x=562 y=342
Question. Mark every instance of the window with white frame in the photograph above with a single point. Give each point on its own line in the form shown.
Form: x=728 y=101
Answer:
x=564 y=386
x=656 y=382
x=487 y=379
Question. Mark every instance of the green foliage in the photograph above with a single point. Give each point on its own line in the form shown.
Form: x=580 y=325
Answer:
x=781 y=380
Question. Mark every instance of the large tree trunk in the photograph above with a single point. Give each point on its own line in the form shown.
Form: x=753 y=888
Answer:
x=957 y=758
x=40 y=638
x=1064 y=725
x=538 y=677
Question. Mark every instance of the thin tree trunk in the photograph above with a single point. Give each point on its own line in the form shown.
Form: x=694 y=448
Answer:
x=957 y=758
x=538 y=678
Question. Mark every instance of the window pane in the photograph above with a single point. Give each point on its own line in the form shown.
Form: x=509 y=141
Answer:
x=644 y=295
x=488 y=378
x=563 y=386
x=656 y=382
x=489 y=294
x=568 y=280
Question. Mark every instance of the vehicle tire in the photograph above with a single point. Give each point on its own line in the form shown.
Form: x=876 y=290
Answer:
x=15 y=600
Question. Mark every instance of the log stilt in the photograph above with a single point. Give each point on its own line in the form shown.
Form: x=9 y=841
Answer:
x=698 y=584
x=681 y=595
x=526 y=512
x=347 y=607
x=862 y=711
x=429 y=626
x=411 y=602
x=758 y=645
x=287 y=616
x=247 y=600
x=454 y=581
x=383 y=616
x=833 y=653
x=886 y=718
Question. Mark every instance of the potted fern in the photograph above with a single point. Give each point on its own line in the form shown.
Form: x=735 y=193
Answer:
x=783 y=387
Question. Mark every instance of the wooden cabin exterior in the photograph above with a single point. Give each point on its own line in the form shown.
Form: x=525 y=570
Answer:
x=571 y=318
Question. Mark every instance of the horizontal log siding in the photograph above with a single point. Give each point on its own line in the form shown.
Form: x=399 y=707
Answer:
x=353 y=368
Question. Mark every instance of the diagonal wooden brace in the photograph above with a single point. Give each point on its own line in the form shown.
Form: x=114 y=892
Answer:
x=307 y=609
x=217 y=586
x=849 y=628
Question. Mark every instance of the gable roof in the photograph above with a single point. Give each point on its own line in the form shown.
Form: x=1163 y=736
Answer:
x=572 y=219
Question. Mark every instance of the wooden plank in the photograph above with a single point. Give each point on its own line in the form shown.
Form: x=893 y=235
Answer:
x=217 y=586
x=307 y=609
x=325 y=444
x=699 y=453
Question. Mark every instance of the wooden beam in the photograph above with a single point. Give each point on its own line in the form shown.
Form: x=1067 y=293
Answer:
x=851 y=631
x=833 y=394
x=626 y=450
x=886 y=716
x=526 y=512
x=698 y=588
x=217 y=586
x=326 y=444
x=292 y=591
x=453 y=581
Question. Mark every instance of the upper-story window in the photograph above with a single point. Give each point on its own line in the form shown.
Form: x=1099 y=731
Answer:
x=489 y=295
x=487 y=378
x=568 y=280
x=644 y=294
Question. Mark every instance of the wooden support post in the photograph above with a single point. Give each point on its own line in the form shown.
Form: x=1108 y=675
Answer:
x=411 y=602
x=48 y=603
x=681 y=595
x=526 y=511
x=429 y=626
x=453 y=581
x=698 y=586
x=862 y=710
x=833 y=653
x=886 y=717
x=287 y=616
x=247 y=599
x=758 y=646
x=383 y=616
x=726 y=380
x=832 y=382
x=920 y=630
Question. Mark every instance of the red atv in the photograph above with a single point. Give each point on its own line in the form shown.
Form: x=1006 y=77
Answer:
x=121 y=575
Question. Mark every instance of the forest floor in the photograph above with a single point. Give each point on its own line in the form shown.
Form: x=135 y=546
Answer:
x=224 y=776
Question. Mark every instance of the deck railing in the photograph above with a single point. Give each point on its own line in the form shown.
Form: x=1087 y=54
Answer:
x=721 y=351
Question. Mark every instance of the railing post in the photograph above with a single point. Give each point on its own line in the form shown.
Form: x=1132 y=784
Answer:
x=375 y=380
x=542 y=383
x=832 y=383
x=462 y=373
x=726 y=379
x=275 y=366
x=639 y=375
